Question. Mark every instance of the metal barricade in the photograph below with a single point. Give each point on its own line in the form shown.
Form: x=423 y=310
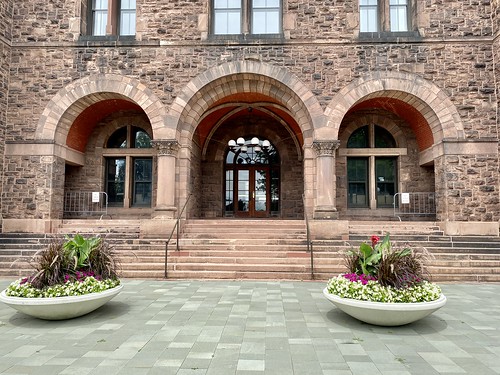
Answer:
x=85 y=203
x=414 y=204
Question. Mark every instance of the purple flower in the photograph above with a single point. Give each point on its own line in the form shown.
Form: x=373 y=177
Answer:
x=352 y=277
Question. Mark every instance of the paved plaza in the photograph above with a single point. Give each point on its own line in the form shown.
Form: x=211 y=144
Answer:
x=251 y=327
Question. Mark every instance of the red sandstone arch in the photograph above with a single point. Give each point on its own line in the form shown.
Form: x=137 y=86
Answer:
x=426 y=108
x=66 y=116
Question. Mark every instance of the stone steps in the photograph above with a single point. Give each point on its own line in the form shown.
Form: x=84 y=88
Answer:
x=255 y=249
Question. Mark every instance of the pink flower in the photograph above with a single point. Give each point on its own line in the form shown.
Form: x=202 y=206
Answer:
x=375 y=240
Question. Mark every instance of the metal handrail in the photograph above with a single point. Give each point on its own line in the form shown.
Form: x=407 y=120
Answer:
x=414 y=204
x=308 y=238
x=176 y=226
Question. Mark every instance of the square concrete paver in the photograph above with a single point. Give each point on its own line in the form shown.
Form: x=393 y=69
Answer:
x=251 y=327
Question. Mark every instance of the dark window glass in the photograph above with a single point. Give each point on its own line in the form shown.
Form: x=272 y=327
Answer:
x=357 y=176
x=359 y=139
x=143 y=180
x=118 y=139
x=385 y=174
x=383 y=139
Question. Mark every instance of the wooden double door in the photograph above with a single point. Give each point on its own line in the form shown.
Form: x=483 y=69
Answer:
x=252 y=191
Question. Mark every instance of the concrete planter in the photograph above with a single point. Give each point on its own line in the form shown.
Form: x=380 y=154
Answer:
x=60 y=308
x=385 y=314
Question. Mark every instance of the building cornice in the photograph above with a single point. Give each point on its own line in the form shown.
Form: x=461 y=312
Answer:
x=260 y=42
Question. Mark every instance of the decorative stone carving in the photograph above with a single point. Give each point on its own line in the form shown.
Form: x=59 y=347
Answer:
x=325 y=148
x=167 y=147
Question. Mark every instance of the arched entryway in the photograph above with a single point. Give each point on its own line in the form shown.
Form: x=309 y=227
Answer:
x=251 y=164
x=252 y=179
x=214 y=108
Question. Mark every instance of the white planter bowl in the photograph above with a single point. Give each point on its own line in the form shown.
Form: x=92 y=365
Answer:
x=385 y=314
x=59 y=308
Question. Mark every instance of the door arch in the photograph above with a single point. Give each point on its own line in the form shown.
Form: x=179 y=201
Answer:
x=252 y=179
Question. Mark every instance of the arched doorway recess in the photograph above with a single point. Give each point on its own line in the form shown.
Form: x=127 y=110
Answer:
x=252 y=162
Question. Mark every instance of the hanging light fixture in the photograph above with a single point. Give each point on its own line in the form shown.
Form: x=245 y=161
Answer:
x=249 y=152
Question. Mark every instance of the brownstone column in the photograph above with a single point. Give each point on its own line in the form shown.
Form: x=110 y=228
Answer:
x=165 y=193
x=325 y=180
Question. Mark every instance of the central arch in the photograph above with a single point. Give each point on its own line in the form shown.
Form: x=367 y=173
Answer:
x=213 y=109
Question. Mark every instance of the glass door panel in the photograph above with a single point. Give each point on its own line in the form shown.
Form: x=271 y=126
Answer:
x=260 y=185
x=385 y=174
x=229 y=194
x=243 y=191
x=357 y=176
x=275 y=192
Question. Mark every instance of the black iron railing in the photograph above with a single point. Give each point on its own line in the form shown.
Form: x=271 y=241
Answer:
x=308 y=238
x=176 y=227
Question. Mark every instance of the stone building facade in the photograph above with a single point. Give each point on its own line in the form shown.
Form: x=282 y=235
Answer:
x=353 y=113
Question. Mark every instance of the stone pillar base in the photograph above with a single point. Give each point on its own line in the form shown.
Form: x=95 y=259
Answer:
x=469 y=228
x=325 y=213
x=328 y=229
x=30 y=225
x=164 y=213
x=162 y=227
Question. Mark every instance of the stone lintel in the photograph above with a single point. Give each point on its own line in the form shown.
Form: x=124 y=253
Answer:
x=459 y=147
x=45 y=149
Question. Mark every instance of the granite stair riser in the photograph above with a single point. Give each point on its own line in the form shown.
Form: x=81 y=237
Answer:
x=226 y=249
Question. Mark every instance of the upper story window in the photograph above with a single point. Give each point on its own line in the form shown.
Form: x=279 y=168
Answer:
x=112 y=17
x=384 y=16
x=255 y=17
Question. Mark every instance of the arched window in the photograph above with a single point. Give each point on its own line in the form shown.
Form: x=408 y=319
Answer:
x=129 y=172
x=371 y=168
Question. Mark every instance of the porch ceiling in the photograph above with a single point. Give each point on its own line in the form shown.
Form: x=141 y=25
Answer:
x=235 y=106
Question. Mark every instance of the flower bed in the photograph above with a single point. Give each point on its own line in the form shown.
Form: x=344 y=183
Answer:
x=70 y=279
x=22 y=288
x=385 y=285
x=346 y=286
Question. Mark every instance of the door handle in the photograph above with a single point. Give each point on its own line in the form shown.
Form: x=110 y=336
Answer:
x=253 y=194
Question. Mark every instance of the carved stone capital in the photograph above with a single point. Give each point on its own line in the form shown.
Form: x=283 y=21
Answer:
x=167 y=147
x=325 y=148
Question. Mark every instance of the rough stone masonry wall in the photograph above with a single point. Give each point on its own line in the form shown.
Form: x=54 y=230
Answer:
x=33 y=187
x=496 y=57
x=470 y=185
x=5 y=50
x=322 y=52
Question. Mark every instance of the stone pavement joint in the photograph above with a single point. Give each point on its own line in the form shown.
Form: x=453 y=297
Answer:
x=249 y=328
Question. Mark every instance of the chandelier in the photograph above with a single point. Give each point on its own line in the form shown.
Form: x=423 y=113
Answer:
x=249 y=151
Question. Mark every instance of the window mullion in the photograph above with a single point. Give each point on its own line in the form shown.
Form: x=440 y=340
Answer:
x=245 y=16
x=111 y=27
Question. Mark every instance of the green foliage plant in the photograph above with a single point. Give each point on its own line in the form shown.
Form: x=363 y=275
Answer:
x=79 y=248
x=63 y=267
x=381 y=272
